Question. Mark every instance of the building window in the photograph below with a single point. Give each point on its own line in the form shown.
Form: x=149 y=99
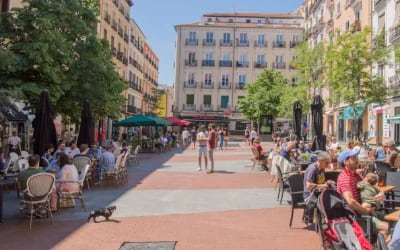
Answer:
x=260 y=59
x=224 y=101
x=209 y=56
x=190 y=99
x=226 y=37
x=338 y=10
x=190 y=78
x=207 y=99
x=248 y=20
x=261 y=39
x=225 y=80
x=226 y=57
x=209 y=37
x=192 y=57
x=242 y=81
x=243 y=38
x=105 y=34
x=347 y=26
x=192 y=36
x=207 y=79
x=209 y=19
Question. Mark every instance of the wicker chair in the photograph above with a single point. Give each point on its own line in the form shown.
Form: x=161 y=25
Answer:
x=80 y=162
x=113 y=171
x=39 y=188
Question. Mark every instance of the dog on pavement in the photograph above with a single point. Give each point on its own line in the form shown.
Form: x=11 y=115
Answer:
x=105 y=212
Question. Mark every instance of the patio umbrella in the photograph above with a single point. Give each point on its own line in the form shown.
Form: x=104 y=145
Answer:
x=177 y=122
x=297 y=113
x=142 y=120
x=86 y=128
x=44 y=129
x=319 y=141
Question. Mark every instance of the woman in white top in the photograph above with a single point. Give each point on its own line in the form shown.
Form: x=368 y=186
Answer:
x=69 y=175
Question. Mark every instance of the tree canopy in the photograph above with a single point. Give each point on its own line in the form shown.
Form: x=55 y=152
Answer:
x=53 y=45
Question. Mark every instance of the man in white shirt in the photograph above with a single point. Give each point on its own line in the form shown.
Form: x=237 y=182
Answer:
x=334 y=144
x=185 y=136
x=14 y=143
x=73 y=150
x=202 y=138
x=253 y=135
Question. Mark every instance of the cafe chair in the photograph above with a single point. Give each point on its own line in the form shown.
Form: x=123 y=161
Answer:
x=382 y=167
x=123 y=168
x=283 y=184
x=113 y=172
x=25 y=154
x=80 y=162
x=296 y=191
x=23 y=164
x=393 y=200
x=76 y=195
x=134 y=155
x=39 y=188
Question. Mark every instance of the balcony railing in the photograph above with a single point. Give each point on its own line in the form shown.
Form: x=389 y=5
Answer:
x=242 y=43
x=240 y=85
x=207 y=85
x=114 y=25
x=223 y=107
x=394 y=33
x=223 y=63
x=260 y=65
x=208 y=42
x=394 y=82
x=206 y=107
x=224 y=85
x=190 y=84
x=278 y=65
x=279 y=44
x=192 y=42
x=107 y=18
x=191 y=63
x=224 y=43
x=260 y=44
x=294 y=43
x=208 y=63
x=242 y=64
x=189 y=107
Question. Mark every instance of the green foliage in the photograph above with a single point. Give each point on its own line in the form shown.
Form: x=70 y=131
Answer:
x=53 y=45
x=264 y=96
x=348 y=62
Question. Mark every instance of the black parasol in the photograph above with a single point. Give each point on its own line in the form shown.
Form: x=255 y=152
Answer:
x=297 y=113
x=319 y=141
x=86 y=129
x=43 y=125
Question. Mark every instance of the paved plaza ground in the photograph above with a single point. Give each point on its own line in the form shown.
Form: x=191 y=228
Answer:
x=165 y=199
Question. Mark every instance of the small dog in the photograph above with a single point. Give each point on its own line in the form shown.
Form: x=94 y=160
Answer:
x=105 y=212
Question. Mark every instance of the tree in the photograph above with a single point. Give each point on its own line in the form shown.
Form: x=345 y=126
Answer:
x=264 y=96
x=53 y=45
x=348 y=60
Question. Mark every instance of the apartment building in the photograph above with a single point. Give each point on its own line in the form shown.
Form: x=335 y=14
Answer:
x=217 y=56
x=150 y=80
x=322 y=19
x=385 y=119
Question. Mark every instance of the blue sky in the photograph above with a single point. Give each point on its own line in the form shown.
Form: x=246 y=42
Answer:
x=157 y=19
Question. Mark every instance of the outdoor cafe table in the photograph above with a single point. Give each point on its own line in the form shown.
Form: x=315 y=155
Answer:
x=392 y=217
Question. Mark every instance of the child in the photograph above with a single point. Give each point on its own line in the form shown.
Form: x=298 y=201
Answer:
x=368 y=190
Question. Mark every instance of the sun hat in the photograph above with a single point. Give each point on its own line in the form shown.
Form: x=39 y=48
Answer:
x=346 y=154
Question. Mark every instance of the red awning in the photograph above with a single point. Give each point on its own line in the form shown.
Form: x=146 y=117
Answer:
x=177 y=122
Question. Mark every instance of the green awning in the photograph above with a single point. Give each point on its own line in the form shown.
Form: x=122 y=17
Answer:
x=353 y=112
x=142 y=120
x=394 y=119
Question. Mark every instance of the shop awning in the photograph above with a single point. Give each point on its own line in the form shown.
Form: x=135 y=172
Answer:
x=12 y=114
x=394 y=119
x=353 y=112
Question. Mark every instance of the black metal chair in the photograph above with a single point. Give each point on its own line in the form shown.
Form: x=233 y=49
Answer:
x=296 y=191
x=393 y=199
x=332 y=175
x=282 y=184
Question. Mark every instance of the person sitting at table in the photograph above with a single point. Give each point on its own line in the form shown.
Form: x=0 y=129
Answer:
x=262 y=155
x=60 y=147
x=124 y=149
x=23 y=176
x=334 y=144
x=390 y=146
x=368 y=191
x=314 y=177
x=72 y=150
x=54 y=167
x=106 y=161
x=302 y=148
x=69 y=175
x=94 y=152
x=48 y=155
x=380 y=154
x=347 y=187
x=83 y=151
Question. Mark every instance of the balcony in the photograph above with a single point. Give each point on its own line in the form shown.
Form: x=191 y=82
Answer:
x=260 y=44
x=114 y=51
x=107 y=18
x=120 y=55
x=394 y=33
x=242 y=43
x=293 y=44
x=206 y=107
x=394 y=82
x=242 y=64
x=279 y=65
x=240 y=85
x=260 y=65
x=208 y=63
x=189 y=84
x=224 y=85
x=279 y=44
x=126 y=38
x=115 y=2
x=223 y=63
x=192 y=42
x=131 y=109
x=114 y=25
x=191 y=63
x=134 y=86
x=224 y=43
x=207 y=85
x=208 y=42
x=189 y=107
x=120 y=32
x=222 y=107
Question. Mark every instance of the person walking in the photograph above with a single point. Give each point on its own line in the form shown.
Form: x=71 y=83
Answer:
x=226 y=137
x=14 y=143
x=221 y=138
x=202 y=139
x=247 y=135
x=212 y=144
x=253 y=135
x=193 y=134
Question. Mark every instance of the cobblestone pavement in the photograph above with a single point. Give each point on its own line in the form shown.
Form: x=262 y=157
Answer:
x=165 y=199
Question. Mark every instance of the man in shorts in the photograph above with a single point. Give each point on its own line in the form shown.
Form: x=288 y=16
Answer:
x=202 y=138
x=347 y=187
